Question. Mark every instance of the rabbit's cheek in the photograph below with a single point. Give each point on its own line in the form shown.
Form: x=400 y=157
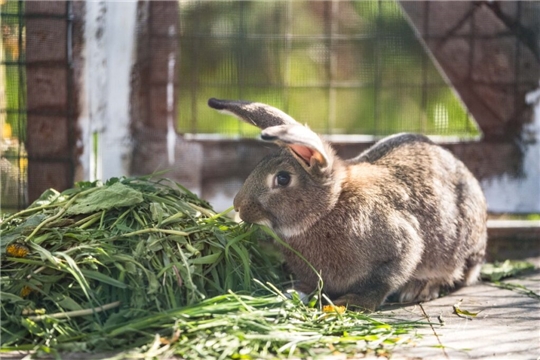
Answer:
x=252 y=213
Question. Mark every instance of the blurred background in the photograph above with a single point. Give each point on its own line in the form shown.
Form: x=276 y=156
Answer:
x=97 y=89
x=343 y=67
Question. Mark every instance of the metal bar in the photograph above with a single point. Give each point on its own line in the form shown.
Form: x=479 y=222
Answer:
x=70 y=83
x=352 y=85
x=288 y=51
x=423 y=100
x=21 y=102
x=240 y=59
x=354 y=37
x=337 y=85
x=194 y=77
x=517 y=67
x=333 y=63
x=329 y=61
x=51 y=64
x=472 y=40
x=50 y=159
x=35 y=16
x=378 y=73
x=33 y=112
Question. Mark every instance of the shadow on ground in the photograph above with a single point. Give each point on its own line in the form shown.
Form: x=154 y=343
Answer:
x=507 y=324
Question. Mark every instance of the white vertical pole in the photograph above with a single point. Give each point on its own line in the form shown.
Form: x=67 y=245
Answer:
x=110 y=36
x=532 y=160
x=93 y=104
x=115 y=142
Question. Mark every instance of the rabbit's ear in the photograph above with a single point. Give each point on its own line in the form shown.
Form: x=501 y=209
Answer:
x=305 y=145
x=258 y=114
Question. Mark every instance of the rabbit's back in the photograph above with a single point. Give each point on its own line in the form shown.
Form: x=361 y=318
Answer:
x=444 y=197
x=409 y=220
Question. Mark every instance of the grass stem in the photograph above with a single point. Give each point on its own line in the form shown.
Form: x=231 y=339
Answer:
x=76 y=313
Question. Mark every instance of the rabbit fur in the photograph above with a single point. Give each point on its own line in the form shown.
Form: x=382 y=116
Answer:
x=404 y=217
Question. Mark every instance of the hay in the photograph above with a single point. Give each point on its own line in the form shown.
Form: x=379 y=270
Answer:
x=145 y=264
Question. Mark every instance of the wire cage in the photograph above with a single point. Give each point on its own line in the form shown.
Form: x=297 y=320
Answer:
x=343 y=67
x=13 y=160
x=36 y=98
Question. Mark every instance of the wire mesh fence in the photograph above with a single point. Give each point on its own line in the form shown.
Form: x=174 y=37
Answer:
x=343 y=67
x=13 y=160
x=36 y=102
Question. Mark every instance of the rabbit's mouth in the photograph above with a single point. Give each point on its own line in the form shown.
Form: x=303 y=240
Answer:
x=264 y=222
x=249 y=217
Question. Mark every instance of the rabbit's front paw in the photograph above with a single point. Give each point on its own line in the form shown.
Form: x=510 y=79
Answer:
x=357 y=302
x=418 y=291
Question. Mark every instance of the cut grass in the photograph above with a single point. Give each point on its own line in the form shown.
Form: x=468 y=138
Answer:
x=148 y=268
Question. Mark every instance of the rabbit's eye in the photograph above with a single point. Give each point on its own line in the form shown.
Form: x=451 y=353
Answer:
x=282 y=179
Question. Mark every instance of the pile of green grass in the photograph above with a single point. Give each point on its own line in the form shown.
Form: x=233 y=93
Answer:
x=146 y=267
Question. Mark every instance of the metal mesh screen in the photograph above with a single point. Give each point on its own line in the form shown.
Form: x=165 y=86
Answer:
x=13 y=159
x=36 y=102
x=343 y=67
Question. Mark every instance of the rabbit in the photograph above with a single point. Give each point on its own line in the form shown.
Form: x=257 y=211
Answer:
x=404 y=218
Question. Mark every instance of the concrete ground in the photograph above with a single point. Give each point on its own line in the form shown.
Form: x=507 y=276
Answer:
x=507 y=325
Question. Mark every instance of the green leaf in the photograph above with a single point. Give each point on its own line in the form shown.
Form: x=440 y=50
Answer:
x=208 y=259
x=68 y=303
x=157 y=212
x=34 y=220
x=103 y=278
x=498 y=271
x=464 y=313
x=153 y=284
x=31 y=325
x=114 y=196
x=46 y=198
x=5 y=296
x=5 y=240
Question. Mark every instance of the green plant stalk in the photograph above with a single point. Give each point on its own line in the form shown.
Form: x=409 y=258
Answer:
x=518 y=288
x=29 y=211
x=121 y=217
x=154 y=230
x=72 y=314
x=63 y=209
x=88 y=221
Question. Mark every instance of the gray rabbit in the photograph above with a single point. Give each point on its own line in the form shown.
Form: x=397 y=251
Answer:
x=405 y=217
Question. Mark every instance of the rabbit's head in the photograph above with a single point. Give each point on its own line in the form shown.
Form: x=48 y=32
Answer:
x=287 y=191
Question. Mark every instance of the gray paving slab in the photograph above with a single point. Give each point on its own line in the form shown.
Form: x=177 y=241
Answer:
x=507 y=325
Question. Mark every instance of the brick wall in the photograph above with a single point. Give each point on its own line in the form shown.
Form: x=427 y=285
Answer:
x=51 y=95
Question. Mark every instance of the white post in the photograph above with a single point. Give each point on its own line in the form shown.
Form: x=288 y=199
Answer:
x=110 y=36
x=520 y=195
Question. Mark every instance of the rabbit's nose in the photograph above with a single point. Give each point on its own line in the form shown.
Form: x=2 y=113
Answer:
x=236 y=204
